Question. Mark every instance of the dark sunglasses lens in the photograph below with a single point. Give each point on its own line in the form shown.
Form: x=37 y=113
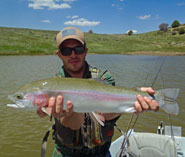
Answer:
x=66 y=51
x=79 y=49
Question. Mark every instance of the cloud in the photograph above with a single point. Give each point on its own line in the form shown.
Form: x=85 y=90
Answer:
x=145 y=17
x=134 y=31
x=82 y=22
x=46 y=21
x=50 y=4
x=180 y=4
x=73 y=17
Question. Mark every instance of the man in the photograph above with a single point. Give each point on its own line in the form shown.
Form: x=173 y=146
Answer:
x=77 y=134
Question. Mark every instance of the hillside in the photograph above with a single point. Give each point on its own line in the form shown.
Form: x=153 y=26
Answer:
x=17 y=41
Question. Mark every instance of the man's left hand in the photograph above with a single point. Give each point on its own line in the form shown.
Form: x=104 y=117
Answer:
x=145 y=103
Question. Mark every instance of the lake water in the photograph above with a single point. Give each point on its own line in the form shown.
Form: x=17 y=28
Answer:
x=21 y=132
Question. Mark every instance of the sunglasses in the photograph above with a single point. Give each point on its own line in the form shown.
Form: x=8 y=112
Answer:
x=67 y=51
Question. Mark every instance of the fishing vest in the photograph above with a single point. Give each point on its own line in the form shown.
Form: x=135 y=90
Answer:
x=91 y=134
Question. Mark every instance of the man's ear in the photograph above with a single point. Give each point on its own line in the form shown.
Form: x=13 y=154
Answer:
x=58 y=53
x=86 y=50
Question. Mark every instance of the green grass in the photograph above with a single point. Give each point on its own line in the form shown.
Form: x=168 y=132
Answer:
x=17 y=41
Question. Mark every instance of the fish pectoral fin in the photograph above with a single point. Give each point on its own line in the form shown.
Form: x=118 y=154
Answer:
x=97 y=118
x=47 y=110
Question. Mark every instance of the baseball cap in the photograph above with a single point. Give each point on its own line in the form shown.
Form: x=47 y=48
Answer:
x=70 y=33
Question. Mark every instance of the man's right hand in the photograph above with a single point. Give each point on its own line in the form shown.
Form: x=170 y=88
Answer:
x=67 y=117
x=55 y=108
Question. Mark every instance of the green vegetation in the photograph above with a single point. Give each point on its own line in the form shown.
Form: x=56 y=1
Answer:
x=181 y=31
x=175 y=24
x=130 y=32
x=16 y=41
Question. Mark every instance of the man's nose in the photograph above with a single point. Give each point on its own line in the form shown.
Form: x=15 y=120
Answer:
x=73 y=53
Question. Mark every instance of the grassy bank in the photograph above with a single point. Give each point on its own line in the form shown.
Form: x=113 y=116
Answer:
x=17 y=41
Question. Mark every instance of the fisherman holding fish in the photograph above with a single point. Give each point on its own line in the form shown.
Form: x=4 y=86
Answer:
x=85 y=101
x=80 y=134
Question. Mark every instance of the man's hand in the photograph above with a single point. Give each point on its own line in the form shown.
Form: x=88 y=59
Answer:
x=67 y=117
x=55 y=108
x=145 y=103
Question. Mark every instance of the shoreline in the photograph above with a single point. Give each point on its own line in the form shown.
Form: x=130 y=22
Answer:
x=157 y=53
x=151 y=53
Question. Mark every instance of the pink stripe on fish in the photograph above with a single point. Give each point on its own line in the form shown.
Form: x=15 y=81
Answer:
x=101 y=96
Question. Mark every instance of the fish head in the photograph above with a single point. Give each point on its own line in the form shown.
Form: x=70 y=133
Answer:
x=30 y=95
x=20 y=100
x=30 y=99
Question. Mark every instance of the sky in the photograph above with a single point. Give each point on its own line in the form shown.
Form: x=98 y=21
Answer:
x=100 y=16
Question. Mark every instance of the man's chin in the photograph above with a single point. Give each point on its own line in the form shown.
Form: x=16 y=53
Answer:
x=75 y=70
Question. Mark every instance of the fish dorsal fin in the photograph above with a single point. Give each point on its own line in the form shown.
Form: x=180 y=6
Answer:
x=100 y=81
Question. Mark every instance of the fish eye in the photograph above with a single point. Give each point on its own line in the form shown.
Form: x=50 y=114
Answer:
x=19 y=96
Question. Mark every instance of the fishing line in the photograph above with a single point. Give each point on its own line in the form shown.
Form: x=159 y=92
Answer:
x=128 y=127
x=157 y=74
x=147 y=75
x=159 y=71
x=172 y=133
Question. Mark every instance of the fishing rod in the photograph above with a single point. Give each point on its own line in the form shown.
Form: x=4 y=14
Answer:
x=125 y=140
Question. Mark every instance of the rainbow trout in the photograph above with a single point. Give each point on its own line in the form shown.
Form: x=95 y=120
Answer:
x=88 y=95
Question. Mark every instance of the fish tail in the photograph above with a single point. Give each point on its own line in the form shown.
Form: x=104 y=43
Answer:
x=167 y=100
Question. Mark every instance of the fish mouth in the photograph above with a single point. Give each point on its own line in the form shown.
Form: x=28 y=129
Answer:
x=16 y=105
x=12 y=105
